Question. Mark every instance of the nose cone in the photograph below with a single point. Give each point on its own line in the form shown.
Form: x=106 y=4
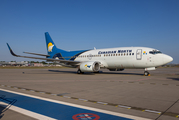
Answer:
x=167 y=59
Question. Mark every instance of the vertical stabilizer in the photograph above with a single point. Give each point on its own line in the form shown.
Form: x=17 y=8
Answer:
x=51 y=47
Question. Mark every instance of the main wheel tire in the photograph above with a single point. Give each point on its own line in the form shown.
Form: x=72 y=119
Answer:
x=79 y=71
x=146 y=73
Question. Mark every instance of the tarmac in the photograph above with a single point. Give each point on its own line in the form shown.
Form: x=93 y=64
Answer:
x=128 y=92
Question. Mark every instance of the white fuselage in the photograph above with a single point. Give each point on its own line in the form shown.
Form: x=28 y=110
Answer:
x=126 y=57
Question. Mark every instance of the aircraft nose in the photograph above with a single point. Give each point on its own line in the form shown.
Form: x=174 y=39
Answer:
x=167 y=59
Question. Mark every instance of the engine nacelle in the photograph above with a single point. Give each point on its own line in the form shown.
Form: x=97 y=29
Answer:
x=90 y=66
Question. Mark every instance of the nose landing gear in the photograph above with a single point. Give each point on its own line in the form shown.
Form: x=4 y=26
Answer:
x=146 y=73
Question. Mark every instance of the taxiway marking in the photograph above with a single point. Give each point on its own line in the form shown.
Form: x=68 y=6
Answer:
x=75 y=109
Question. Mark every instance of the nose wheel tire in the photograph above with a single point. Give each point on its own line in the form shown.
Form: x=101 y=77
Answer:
x=146 y=73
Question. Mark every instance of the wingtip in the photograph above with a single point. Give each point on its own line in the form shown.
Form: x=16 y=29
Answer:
x=8 y=46
x=11 y=50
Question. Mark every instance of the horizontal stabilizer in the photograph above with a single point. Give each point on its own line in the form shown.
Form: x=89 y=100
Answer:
x=37 y=54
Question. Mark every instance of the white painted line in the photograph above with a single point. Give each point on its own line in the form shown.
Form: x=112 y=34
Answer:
x=153 y=111
x=28 y=113
x=102 y=103
x=124 y=106
x=42 y=92
x=82 y=99
x=80 y=106
x=66 y=96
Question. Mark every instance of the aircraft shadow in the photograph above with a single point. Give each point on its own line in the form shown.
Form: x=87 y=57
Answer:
x=177 y=79
x=74 y=72
x=100 y=72
x=121 y=73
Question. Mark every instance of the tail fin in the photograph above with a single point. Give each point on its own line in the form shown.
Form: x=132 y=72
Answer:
x=51 y=47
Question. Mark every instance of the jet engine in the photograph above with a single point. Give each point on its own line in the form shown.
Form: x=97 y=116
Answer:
x=90 y=66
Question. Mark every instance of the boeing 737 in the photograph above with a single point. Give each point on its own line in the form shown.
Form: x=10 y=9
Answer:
x=114 y=59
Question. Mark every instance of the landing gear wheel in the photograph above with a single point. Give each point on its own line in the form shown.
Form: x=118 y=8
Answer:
x=79 y=71
x=146 y=73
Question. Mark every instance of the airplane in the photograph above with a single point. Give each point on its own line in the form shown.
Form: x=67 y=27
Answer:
x=114 y=59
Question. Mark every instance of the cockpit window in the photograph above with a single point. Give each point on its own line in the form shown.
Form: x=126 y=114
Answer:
x=154 y=52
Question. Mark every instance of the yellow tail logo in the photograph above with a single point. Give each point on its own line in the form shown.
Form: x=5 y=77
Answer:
x=50 y=47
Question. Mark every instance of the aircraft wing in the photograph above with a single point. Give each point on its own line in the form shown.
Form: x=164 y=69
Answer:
x=48 y=59
x=37 y=54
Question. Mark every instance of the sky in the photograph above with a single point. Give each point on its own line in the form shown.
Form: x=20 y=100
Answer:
x=85 y=24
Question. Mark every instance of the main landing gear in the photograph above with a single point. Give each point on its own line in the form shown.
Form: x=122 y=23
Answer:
x=79 y=71
x=146 y=73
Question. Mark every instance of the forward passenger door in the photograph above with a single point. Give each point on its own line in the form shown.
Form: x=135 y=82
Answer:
x=139 y=54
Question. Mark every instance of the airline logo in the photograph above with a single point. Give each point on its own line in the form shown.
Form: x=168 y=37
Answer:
x=87 y=66
x=50 y=47
x=144 y=53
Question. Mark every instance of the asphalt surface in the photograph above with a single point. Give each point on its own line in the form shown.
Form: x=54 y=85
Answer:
x=128 y=91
